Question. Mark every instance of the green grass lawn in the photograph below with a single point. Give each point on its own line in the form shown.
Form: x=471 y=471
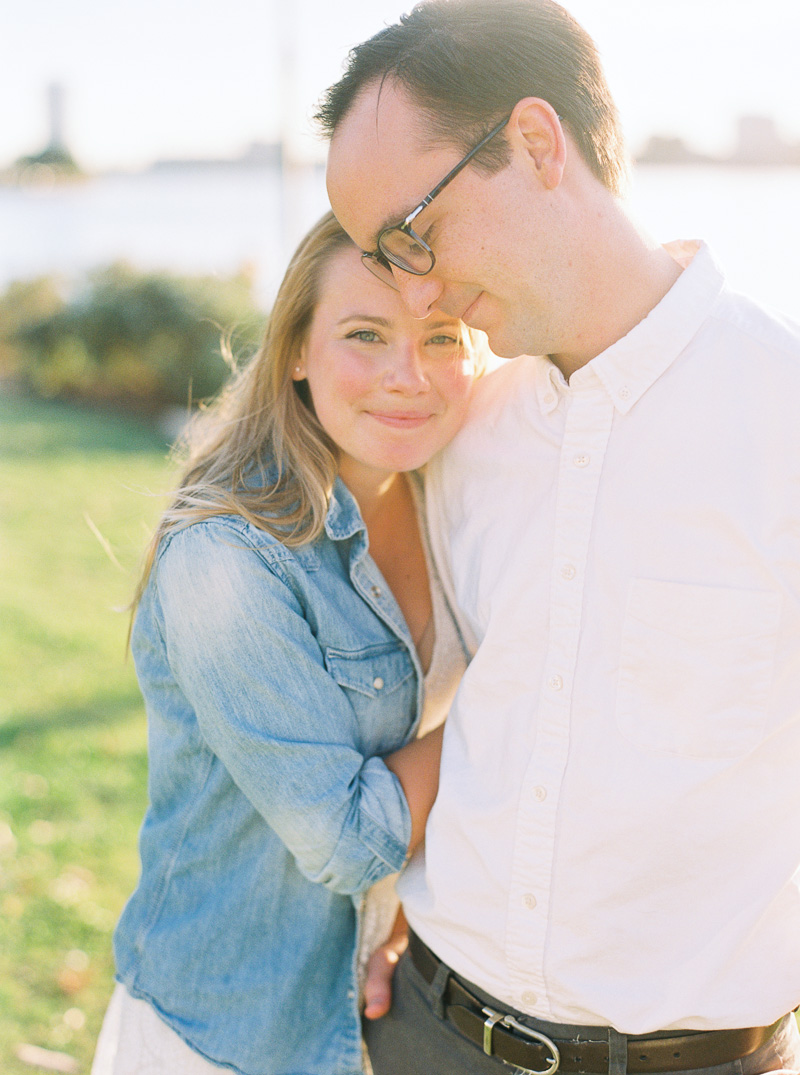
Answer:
x=78 y=494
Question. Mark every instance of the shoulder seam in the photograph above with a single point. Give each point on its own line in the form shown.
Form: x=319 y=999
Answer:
x=270 y=550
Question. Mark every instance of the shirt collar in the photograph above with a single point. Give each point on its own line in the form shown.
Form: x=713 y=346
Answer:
x=631 y=365
x=343 y=519
x=550 y=384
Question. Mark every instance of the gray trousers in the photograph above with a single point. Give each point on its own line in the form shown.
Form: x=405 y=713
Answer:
x=415 y=1039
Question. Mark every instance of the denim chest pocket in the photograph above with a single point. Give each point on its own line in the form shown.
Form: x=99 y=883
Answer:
x=381 y=685
x=696 y=668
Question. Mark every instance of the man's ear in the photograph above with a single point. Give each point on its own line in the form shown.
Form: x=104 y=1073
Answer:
x=535 y=131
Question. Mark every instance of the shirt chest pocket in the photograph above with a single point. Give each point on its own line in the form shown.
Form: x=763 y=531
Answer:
x=696 y=668
x=382 y=688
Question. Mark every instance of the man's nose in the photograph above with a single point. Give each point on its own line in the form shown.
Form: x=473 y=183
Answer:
x=419 y=293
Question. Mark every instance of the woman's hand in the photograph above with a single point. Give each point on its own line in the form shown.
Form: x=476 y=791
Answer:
x=380 y=970
x=416 y=766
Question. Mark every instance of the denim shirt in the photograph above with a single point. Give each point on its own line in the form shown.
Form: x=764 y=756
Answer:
x=273 y=679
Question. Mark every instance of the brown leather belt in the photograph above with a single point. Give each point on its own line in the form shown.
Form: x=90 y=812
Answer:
x=500 y=1035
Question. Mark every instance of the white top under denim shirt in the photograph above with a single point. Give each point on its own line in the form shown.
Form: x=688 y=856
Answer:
x=616 y=838
x=272 y=678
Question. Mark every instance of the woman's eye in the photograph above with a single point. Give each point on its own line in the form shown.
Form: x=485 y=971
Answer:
x=366 y=335
x=442 y=338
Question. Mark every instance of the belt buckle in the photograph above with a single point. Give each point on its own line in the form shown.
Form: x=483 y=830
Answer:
x=508 y=1021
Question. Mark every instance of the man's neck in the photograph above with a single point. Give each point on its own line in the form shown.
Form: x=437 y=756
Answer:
x=623 y=275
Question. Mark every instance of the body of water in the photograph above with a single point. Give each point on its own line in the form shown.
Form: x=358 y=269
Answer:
x=216 y=221
x=749 y=216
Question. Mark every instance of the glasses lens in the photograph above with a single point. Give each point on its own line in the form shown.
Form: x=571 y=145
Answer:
x=406 y=250
x=380 y=267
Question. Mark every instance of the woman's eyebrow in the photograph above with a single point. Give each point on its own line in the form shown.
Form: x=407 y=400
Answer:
x=382 y=321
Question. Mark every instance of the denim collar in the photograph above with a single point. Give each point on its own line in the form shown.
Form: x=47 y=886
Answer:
x=343 y=520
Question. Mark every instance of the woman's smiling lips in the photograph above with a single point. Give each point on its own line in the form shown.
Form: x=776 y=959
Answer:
x=401 y=419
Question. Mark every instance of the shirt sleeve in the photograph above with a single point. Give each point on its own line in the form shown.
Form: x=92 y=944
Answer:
x=245 y=657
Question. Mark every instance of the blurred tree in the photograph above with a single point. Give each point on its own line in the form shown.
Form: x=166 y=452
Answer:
x=145 y=341
x=24 y=302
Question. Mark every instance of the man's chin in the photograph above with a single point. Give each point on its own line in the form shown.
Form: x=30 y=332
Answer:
x=504 y=347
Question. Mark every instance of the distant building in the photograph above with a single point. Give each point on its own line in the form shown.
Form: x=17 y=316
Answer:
x=670 y=150
x=263 y=155
x=759 y=142
x=257 y=155
x=54 y=162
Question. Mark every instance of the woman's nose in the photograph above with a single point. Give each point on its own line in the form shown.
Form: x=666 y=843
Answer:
x=406 y=371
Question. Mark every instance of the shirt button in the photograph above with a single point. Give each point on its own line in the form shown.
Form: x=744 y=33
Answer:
x=540 y=794
x=529 y=900
x=624 y=392
x=529 y=998
x=581 y=460
x=377 y=683
x=555 y=683
x=376 y=591
x=568 y=571
x=549 y=398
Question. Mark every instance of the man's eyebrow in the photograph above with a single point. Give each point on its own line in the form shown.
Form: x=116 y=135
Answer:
x=392 y=221
x=382 y=321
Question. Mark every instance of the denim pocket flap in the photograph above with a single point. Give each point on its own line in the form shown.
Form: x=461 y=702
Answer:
x=374 y=671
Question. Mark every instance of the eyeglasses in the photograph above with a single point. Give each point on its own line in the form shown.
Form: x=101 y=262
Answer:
x=401 y=246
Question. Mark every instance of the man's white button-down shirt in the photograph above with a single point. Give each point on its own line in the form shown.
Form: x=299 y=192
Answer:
x=616 y=839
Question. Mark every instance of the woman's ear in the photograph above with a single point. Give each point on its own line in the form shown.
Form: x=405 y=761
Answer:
x=535 y=129
x=299 y=371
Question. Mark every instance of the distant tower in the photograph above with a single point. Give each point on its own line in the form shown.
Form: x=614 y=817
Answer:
x=55 y=161
x=55 y=101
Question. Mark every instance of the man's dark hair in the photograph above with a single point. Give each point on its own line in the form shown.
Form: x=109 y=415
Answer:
x=466 y=63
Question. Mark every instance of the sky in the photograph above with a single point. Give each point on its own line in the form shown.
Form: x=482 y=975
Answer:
x=195 y=78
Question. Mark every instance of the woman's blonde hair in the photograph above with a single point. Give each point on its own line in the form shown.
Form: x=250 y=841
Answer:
x=258 y=450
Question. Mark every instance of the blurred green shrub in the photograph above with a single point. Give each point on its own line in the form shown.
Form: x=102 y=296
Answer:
x=144 y=341
x=24 y=302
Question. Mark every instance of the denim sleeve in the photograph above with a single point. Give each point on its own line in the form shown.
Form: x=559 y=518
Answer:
x=244 y=656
